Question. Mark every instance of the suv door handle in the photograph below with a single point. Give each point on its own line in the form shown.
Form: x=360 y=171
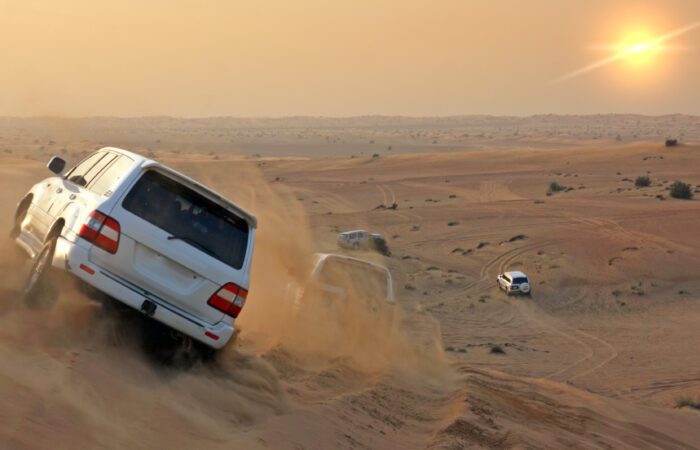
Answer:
x=59 y=190
x=72 y=196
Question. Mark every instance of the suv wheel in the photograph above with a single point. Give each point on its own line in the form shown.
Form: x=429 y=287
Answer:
x=173 y=349
x=19 y=218
x=38 y=290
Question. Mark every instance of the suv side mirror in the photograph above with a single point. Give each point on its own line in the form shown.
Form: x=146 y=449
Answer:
x=56 y=165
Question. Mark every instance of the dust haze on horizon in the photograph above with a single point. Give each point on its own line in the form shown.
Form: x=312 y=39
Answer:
x=313 y=57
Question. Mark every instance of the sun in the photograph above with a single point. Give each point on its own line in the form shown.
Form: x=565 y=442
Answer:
x=638 y=49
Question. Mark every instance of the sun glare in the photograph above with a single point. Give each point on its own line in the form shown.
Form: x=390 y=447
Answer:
x=638 y=49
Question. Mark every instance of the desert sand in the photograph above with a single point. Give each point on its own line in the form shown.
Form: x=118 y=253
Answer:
x=598 y=357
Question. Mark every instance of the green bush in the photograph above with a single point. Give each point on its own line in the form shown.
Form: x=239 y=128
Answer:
x=497 y=350
x=381 y=246
x=643 y=181
x=556 y=187
x=687 y=402
x=681 y=190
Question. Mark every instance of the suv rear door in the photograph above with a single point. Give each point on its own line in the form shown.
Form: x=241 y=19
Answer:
x=177 y=243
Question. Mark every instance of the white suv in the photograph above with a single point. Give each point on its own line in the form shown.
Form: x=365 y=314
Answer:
x=146 y=236
x=514 y=283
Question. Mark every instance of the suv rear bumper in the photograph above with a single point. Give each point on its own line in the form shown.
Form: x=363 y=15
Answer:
x=73 y=258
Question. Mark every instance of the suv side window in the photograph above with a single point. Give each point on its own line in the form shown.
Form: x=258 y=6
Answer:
x=507 y=278
x=109 y=178
x=98 y=168
x=77 y=173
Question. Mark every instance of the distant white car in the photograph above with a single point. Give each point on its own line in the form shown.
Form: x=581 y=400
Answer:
x=144 y=235
x=357 y=239
x=514 y=283
x=335 y=278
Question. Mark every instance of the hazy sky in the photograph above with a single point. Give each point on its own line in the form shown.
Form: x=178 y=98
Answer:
x=333 y=57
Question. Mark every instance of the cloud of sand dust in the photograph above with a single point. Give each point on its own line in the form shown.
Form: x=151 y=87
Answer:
x=318 y=331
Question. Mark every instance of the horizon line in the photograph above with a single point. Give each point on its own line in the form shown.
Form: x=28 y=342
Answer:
x=343 y=117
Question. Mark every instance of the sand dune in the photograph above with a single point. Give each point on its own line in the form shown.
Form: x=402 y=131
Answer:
x=596 y=359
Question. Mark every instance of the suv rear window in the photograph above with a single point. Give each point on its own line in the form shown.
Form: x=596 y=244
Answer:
x=519 y=280
x=190 y=217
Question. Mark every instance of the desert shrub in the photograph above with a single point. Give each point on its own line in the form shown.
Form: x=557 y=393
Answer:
x=671 y=142
x=681 y=190
x=497 y=350
x=452 y=224
x=381 y=246
x=643 y=181
x=688 y=402
x=554 y=187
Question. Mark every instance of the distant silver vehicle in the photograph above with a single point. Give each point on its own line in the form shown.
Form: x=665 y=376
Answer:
x=514 y=283
x=356 y=239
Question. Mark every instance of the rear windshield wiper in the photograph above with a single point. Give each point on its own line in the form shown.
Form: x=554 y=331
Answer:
x=193 y=243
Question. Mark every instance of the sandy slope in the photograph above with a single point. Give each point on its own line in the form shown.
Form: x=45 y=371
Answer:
x=597 y=357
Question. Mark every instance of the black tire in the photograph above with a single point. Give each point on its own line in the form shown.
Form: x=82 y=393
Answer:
x=171 y=348
x=19 y=218
x=38 y=289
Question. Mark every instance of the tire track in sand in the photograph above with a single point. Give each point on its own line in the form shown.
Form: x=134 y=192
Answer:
x=590 y=343
x=387 y=194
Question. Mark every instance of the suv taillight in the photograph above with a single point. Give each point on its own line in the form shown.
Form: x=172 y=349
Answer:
x=230 y=299
x=102 y=231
